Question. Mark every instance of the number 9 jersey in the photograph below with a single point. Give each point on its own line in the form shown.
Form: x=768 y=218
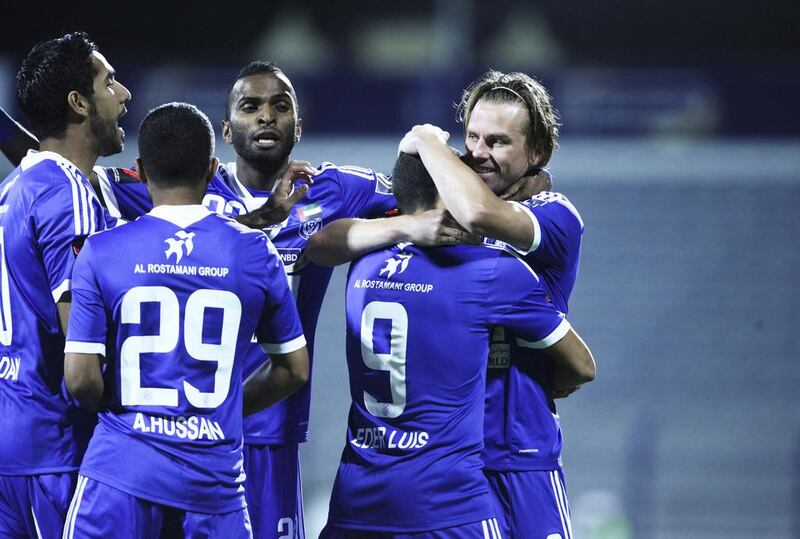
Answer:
x=182 y=291
x=417 y=345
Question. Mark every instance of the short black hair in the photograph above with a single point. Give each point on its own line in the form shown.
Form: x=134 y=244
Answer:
x=256 y=67
x=176 y=145
x=412 y=185
x=48 y=74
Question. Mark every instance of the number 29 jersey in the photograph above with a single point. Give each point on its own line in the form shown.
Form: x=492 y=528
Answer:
x=183 y=291
x=417 y=345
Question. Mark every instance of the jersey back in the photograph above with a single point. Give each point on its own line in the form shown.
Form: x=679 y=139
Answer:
x=338 y=192
x=183 y=291
x=47 y=209
x=417 y=344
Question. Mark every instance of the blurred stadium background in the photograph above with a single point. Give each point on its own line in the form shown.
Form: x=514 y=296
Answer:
x=681 y=148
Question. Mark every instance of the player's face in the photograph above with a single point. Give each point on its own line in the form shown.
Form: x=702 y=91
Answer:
x=108 y=106
x=496 y=146
x=263 y=125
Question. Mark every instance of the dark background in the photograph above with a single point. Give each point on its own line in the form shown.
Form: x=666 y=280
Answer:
x=681 y=148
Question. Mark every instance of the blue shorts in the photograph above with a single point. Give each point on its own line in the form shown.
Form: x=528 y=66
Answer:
x=100 y=511
x=273 y=491
x=35 y=505
x=484 y=529
x=534 y=504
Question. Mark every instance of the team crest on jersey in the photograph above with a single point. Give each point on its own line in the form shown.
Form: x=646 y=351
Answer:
x=179 y=245
x=309 y=228
x=397 y=264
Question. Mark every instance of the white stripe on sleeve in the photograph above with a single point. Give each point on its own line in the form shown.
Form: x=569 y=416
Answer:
x=537 y=229
x=555 y=336
x=78 y=347
x=284 y=348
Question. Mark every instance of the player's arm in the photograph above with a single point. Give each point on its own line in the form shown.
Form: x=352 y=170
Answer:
x=574 y=364
x=15 y=140
x=347 y=239
x=275 y=380
x=84 y=378
x=467 y=197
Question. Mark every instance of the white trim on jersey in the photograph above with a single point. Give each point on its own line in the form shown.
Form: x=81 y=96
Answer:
x=537 y=229
x=80 y=347
x=36 y=524
x=284 y=348
x=110 y=199
x=555 y=336
x=60 y=289
x=72 y=512
x=561 y=501
x=491 y=529
x=82 y=210
x=183 y=215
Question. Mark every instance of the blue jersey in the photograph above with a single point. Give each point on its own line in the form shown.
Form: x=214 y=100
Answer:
x=418 y=325
x=181 y=315
x=47 y=209
x=522 y=427
x=337 y=192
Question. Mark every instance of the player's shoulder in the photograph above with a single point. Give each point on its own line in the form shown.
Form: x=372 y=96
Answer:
x=49 y=171
x=552 y=199
x=508 y=263
x=120 y=175
x=354 y=174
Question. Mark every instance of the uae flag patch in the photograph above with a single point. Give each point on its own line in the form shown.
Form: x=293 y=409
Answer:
x=307 y=213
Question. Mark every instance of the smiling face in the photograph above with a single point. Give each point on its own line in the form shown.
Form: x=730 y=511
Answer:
x=496 y=146
x=262 y=125
x=107 y=107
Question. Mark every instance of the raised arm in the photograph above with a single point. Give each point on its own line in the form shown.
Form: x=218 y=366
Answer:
x=15 y=140
x=275 y=380
x=347 y=239
x=464 y=193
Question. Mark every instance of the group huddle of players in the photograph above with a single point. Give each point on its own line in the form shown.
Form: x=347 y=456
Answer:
x=157 y=324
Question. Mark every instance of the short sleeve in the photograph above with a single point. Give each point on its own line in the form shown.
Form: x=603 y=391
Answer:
x=365 y=193
x=86 y=333
x=517 y=301
x=557 y=230
x=279 y=330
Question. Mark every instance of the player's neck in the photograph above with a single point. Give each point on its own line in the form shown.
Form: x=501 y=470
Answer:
x=74 y=147
x=258 y=177
x=175 y=196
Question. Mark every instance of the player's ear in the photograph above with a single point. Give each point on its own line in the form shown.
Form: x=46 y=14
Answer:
x=226 y=132
x=298 y=130
x=78 y=104
x=212 y=169
x=534 y=160
x=140 y=171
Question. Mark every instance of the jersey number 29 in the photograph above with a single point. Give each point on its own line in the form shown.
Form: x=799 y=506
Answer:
x=166 y=340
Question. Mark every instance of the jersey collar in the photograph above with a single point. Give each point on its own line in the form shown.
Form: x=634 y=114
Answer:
x=182 y=216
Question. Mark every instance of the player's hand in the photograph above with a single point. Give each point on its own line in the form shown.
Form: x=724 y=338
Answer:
x=437 y=227
x=419 y=133
x=292 y=186
x=564 y=393
x=528 y=186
